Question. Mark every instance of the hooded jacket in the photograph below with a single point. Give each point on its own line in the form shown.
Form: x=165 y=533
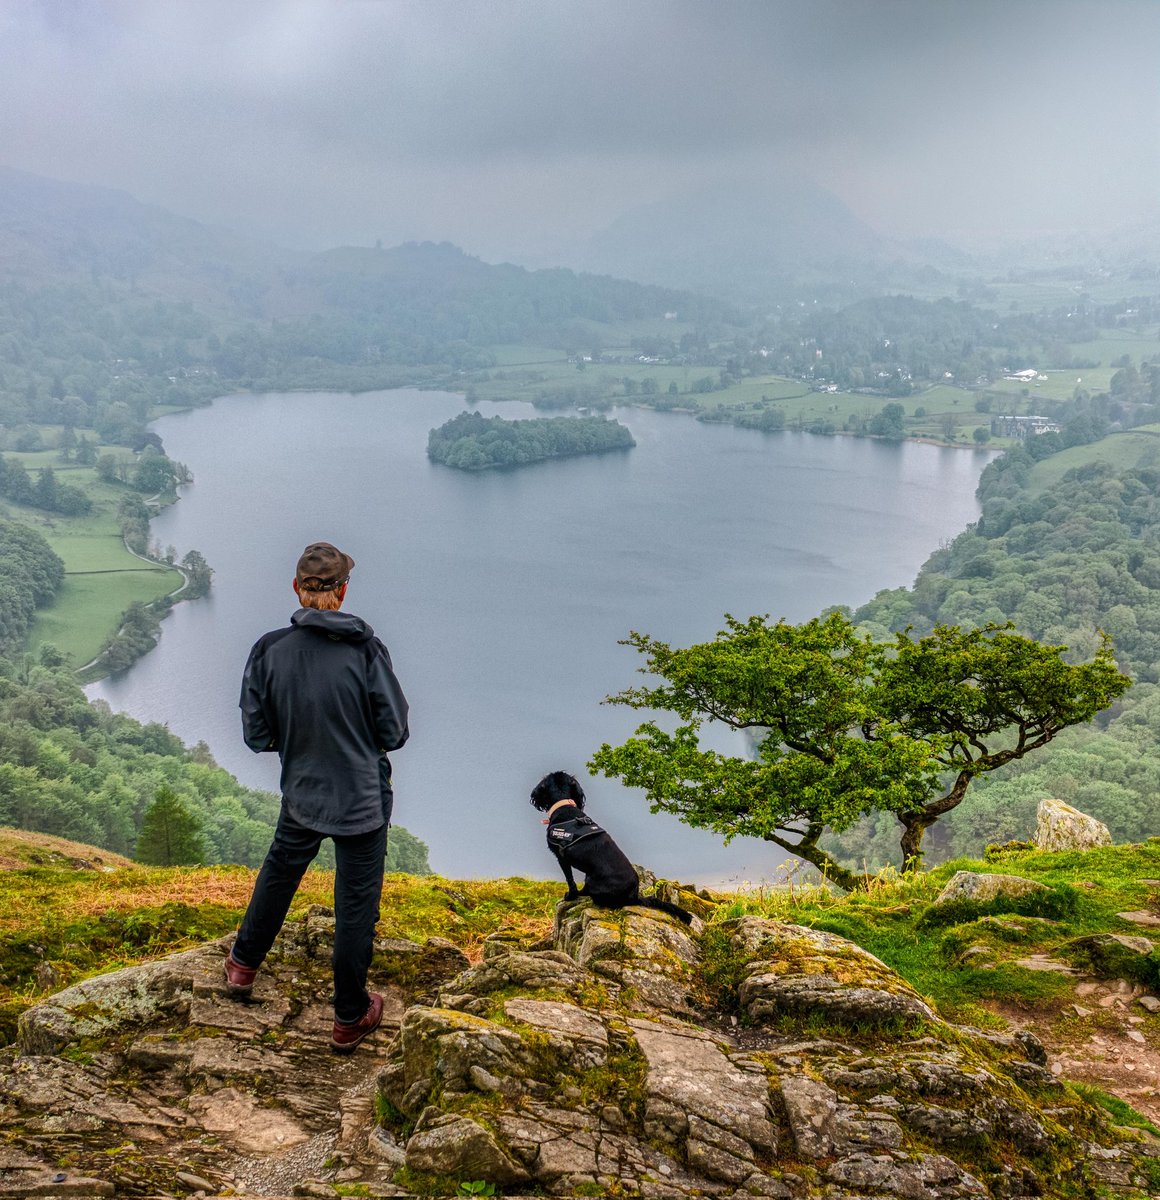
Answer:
x=322 y=693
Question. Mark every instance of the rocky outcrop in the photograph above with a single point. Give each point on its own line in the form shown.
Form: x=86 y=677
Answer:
x=628 y=1057
x=1061 y=827
x=982 y=888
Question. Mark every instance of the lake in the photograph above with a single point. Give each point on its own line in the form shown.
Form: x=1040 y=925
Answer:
x=502 y=595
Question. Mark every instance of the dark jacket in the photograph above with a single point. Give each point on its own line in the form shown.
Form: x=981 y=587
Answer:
x=323 y=694
x=580 y=844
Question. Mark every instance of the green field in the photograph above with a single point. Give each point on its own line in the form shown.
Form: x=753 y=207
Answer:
x=1132 y=448
x=1059 y=385
x=102 y=577
x=1140 y=345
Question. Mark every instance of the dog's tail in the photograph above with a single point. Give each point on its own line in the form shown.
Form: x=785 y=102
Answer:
x=674 y=910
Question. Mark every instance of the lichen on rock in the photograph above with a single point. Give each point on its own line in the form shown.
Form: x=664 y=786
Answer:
x=615 y=1062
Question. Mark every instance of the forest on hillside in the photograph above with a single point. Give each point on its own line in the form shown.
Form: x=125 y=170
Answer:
x=1062 y=561
x=80 y=771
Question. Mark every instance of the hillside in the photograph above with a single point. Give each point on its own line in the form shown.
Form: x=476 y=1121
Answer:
x=753 y=239
x=986 y=1051
x=53 y=232
x=22 y=850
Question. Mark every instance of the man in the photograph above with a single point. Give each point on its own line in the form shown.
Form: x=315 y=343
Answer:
x=323 y=695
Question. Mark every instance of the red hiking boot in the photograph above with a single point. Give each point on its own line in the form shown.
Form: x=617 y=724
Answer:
x=239 y=979
x=346 y=1037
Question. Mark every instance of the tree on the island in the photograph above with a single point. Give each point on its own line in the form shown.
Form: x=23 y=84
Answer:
x=843 y=726
x=170 y=834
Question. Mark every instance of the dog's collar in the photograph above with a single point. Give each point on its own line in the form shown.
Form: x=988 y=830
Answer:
x=560 y=804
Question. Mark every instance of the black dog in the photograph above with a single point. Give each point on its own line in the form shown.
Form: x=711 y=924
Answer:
x=578 y=843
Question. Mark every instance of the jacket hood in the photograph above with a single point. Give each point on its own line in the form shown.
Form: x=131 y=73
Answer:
x=339 y=625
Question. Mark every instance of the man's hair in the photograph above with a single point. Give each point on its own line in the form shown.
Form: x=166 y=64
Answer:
x=557 y=786
x=324 y=601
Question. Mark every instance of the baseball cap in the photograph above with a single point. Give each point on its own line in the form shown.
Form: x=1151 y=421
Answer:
x=323 y=567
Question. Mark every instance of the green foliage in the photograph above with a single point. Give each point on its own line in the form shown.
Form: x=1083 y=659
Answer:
x=1063 y=555
x=844 y=725
x=406 y=853
x=170 y=834
x=473 y=443
x=30 y=576
x=1059 y=903
x=84 y=772
x=1119 y=1110
x=475 y=1187
x=199 y=574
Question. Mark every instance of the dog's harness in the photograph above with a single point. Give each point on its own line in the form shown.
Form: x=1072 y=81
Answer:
x=563 y=835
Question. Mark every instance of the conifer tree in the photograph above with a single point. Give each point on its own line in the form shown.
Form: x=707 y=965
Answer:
x=170 y=834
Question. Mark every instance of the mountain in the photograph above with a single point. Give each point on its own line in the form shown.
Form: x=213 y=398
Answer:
x=738 y=239
x=54 y=232
x=58 y=233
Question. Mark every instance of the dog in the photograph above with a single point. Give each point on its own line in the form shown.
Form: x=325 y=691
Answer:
x=578 y=843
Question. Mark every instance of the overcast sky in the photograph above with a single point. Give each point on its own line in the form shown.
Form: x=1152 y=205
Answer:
x=509 y=126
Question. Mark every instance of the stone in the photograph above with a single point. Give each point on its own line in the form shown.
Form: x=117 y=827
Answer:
x=56 y=1184
x=798 y=971
x=577 y=1034
x=1111 y=955
x=690 y=1075
x=1149 y=1003
x=461 y=1148
x=440 y=1044
x=1044 y=962
x=547 y=970
x=824 y=1125
x=1061 y=827
x=927 y=1177
x=538 y=1073
x=241 y=1120
x=716 y=1153
x=383 y=1146
x=639 y=948
x=194 y=1181
x=983 y=888
x=1141 y=917
x=107 y=1004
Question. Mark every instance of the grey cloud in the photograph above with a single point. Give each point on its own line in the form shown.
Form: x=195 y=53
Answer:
x=486 y=122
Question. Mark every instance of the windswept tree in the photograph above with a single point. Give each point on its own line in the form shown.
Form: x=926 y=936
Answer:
x=844 y=726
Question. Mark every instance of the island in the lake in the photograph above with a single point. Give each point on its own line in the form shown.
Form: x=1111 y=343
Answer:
x=470 y=442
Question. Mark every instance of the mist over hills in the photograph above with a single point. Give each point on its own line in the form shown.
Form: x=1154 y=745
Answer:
x=735 y=237
x=58 y=233
x=52 y=231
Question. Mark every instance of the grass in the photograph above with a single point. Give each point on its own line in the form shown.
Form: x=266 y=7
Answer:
x=1121 y=1112
x=1133 y=448
x=102 y=577
x=87 y=610
x=1140 y=344
x=86 y=922
x=893 y=920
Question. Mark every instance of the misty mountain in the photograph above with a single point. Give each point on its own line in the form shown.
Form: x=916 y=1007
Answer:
x=53 y=233
x=57 y=232
x=439 y=287
x=740 y=240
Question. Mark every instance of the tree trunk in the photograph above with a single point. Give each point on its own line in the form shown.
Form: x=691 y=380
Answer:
x=914 y=825
x=807 y=848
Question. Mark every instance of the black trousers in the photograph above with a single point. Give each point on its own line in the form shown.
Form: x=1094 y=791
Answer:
x=358 y=888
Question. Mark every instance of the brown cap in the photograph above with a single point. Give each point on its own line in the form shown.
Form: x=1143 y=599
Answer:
x=323 y=568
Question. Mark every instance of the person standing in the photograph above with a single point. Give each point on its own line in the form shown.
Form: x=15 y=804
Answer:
x=322 y=694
